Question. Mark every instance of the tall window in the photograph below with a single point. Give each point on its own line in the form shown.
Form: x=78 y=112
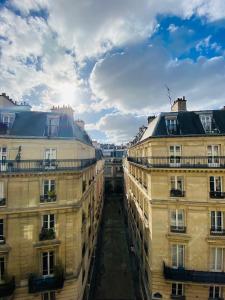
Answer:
x=177 y=186
x=213 y=155
x=3 y=157
x=48 y=296
x=50 y=158
x=49 y=190
x=215 y=292
x=8 y=119
x=2 y=239
x=2 y=196
x=175 y=155
x=216 y=259
x=177 y=255
x=206 y=121
x=177 y=220
x=217 y=218
x=48 y=221
x=215 y=186
x=53 y=126
x=171 y=125
x=48 y=263
x=177 y=289
x=2 y=268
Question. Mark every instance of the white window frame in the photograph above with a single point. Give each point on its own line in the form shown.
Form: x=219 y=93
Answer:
x=214 y=264
x=214 y=183
x=177 y=221
x=175 y=249
x=206 y=120
x=175 y=180
x=213 y=155
x=49 y=271
x=48 y=222
x=48 y=295
x=214 y=219
x=3 y=158
x=2 y=236
x=50 y=156
x=214 y=292
x=177 y=289
x=171 y=125
x=175 y=155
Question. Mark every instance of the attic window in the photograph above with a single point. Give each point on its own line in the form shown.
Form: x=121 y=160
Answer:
x=8 y=119
x=53 y=125
x=171 y=125
x=206 y=121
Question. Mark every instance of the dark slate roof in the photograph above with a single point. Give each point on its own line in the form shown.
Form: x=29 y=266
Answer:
x=188 y=124
x=98 y=154
x=33 y=124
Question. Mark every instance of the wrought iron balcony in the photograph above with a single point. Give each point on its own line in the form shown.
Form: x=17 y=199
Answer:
x=183 y=275
x=39 y=284
x=217 y=231
x=2 y=202
x=217 y=195
x=215 y=298
x=7 y=287
x=47 y=234
x=48 y=198
x=178 y=162
x=177 y=297
x=177 y=193
x=178 y=229
x=18 y=166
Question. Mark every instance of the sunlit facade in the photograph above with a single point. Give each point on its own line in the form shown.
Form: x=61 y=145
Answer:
x=175 y=197
x=51 y=196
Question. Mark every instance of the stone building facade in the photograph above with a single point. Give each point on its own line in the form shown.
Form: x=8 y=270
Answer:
x=51 y=186
x=175 y=202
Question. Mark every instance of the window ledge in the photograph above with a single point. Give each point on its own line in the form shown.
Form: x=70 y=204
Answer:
x=47 y=243
x=178 y=236
x=4 y=248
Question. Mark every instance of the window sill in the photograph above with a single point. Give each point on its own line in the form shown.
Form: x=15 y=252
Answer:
x=47 y=243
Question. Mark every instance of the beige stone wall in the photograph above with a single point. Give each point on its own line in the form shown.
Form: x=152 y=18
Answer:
x=196 y=204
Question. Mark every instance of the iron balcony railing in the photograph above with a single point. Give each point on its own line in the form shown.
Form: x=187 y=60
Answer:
x=183 y=275
x=2 y=201
x=7 y=287
x=217 y=195
x=179 y=161
x=178 y=229
x=177 y=193
x=13 y=166
x=39 y=284
x=177 y=297
x=48 y=198
x=47 y=234
x=217 y=231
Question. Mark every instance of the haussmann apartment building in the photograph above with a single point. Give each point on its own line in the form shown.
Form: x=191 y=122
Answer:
x=175 y=202
x=51 y=195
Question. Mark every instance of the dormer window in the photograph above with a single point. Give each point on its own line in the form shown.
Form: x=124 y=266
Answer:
x=206 y=121
x=8 y=119
x=171 y=125
x=53 y=125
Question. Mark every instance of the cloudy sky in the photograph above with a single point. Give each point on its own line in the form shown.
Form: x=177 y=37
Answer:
x=111 y=59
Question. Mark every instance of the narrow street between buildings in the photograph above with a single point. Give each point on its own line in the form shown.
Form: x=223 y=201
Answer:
x=113 y=270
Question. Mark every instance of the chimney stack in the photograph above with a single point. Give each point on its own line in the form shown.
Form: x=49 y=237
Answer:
x=150 y=119
x=179 y=105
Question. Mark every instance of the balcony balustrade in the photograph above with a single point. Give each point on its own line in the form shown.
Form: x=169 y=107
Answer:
x=183 y=275
x=38 y=284
x=178 y=229
x=7 y=287
x=177 y=297
x=217 y=195
x=178 y=162
x=177 y=193
x=18 y=166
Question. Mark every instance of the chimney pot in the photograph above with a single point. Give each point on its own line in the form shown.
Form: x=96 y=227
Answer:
x=179 y=105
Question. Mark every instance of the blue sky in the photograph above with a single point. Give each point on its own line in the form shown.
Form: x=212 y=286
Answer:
x=111 y=60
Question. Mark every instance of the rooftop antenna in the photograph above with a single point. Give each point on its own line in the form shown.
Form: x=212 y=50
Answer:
x=169 y=94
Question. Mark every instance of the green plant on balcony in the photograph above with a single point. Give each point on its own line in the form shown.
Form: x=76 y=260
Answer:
x=47 y=234
x=51 y=194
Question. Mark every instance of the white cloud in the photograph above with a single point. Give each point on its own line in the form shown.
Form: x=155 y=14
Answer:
x=116 y=128
x=135 y=80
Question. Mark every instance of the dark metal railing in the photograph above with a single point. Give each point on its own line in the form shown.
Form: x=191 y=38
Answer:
x=177 y=297
x=178 y=229
x=217 y=231
x=48 y=198
x=2 y=201
x=177 y=193
x=217 y=195
x=13 y=166
x=7 y=287
x=183 y=275
x=47 y=234
x=39 y=284
x=178 y=161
